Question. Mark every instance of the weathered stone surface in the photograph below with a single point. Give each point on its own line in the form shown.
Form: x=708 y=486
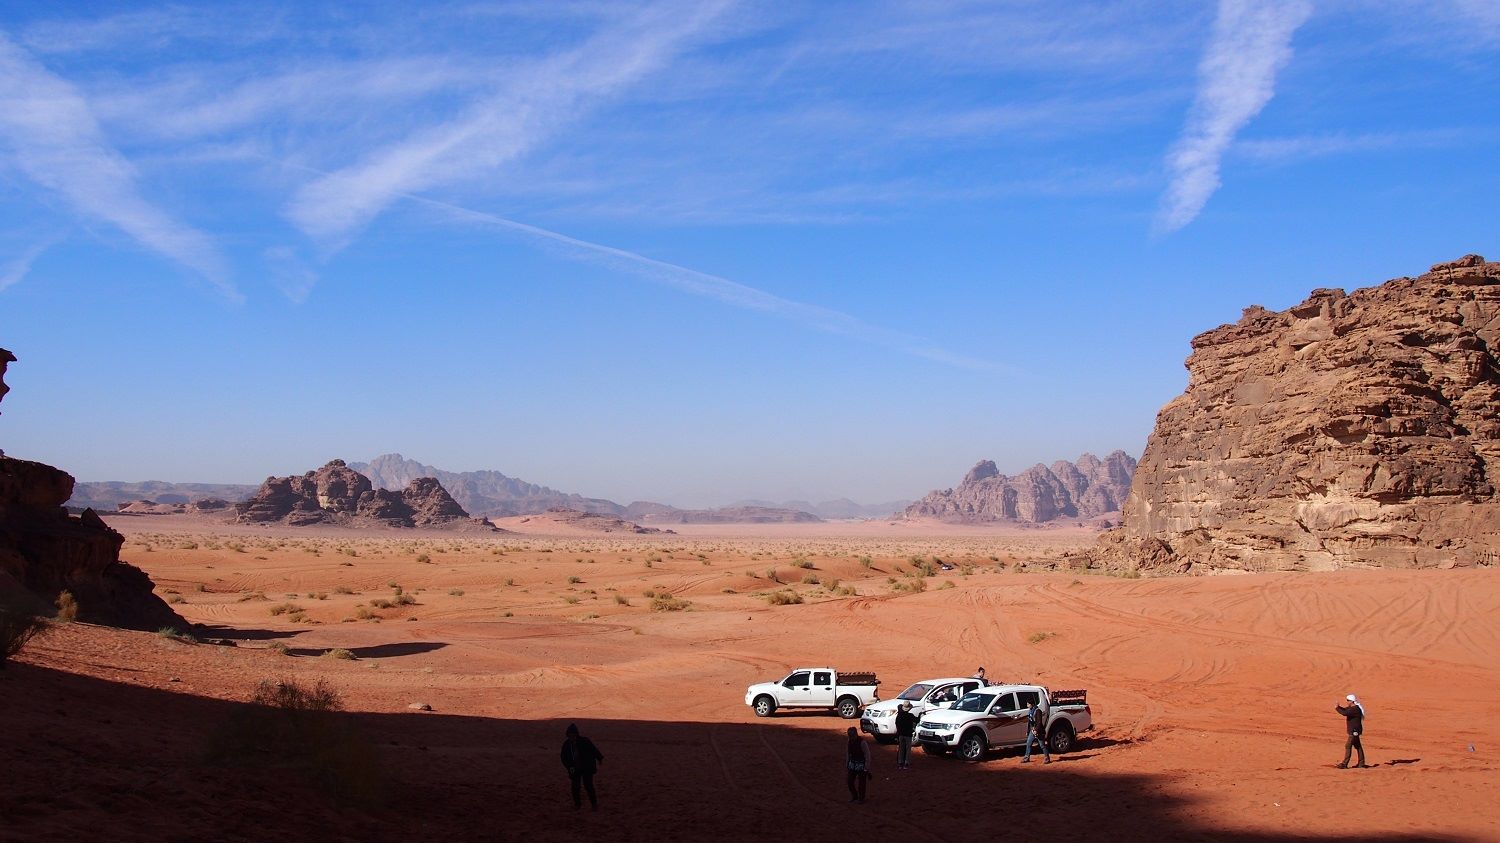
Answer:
x=337 y=494
x=45 y=551
x=1087 y=489
x=1357 y=429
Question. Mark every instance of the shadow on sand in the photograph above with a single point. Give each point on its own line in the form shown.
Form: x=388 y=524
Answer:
x=81 y=754
x=377 y=651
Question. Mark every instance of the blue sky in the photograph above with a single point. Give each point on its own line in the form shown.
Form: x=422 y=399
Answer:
x=696 y=251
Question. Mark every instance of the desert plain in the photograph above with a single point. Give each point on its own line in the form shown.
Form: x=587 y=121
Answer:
x=1213 y=696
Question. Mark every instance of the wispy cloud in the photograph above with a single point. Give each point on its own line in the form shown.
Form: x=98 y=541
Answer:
x=1284 y=150
x=499 y=128
x=1250 y=44
x=20 y=266
x=55 y=141
x=720 y=289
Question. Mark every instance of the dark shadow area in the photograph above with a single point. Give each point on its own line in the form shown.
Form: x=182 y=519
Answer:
x=81 y=755
x=235 y=633
x=1394 y=761
x=377 y=651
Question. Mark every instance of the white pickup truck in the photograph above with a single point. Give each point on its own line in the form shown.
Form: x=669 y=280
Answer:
x=815 y=687
x=994 y=717
x=879 y=718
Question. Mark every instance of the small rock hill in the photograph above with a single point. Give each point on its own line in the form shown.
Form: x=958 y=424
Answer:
x=1086 y=489
x=45 y=551
x=337 y=494
x=1353 y=429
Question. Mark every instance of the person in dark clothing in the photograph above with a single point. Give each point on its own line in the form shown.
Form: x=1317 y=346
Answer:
x=582 y=760
x=1354 y=718
x=1036 y=732
x=857 y=762
x=906 y=728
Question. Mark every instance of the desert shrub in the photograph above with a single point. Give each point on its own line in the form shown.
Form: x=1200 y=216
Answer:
x=18 y=627
x=174 y=634
x=175 y=599
x=570 y=599
x=455 y=592
x=364 y=614
x=257 y=596
x=424 y=559
x=67 y=607
x=338 y=653
x=348 y=551
x=286 y=609
x=622 y=600
x=395 y=585
x=343 y=589
x=914 y=585
x=575 y=580
x=278 y=647
x=404 y=599
x=382 y=603
x=946 y=584
x=810 y=579
x=303 y=730
x=1039 y=637
x=782 y=598
x=801 y=563
x=924 y=567
x=668 y=603
x=866 y=562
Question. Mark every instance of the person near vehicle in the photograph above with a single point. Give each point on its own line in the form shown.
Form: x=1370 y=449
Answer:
x=582 y=760
x=1036 y=732
x=979 y=674
x=1354 y=719
x=857 y=763
x=906 y=729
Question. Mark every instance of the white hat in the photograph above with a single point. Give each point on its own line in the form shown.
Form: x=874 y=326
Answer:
x=1351 y=698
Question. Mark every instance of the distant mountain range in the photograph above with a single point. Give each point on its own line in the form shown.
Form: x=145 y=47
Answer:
x=834 y=510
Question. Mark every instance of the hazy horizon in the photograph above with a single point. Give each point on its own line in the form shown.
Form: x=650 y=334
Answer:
x=695 y=252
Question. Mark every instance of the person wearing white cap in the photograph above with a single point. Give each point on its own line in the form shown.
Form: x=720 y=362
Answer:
x=1354 y=717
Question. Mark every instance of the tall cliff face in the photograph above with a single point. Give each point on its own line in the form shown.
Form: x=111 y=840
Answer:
x=1356 y=429
x=1088 y=488
x=44 y=551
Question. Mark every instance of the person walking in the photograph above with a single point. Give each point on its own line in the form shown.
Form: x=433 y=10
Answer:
x=1036 y=732
x=906 y=729
x=582 y=760
x=1354 y=720
x=857 y=762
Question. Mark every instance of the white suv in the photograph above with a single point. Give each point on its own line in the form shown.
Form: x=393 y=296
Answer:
x=879 y=719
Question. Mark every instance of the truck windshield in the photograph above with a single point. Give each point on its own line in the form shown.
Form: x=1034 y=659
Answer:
x=975 y=702
x=915 y=692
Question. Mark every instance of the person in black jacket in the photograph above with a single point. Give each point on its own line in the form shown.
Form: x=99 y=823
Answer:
x=906 y=728
x=582 y=760
x=1354 y=718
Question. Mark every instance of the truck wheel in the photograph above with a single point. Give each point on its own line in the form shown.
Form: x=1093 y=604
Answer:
x=848 y=708
x=972 y=747
x=764 y=706
x=934 y=749
x=1061 y=738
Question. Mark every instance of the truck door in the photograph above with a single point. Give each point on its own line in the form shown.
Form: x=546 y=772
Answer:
x=1007 y=721
x=797 y=688
x=822 y=688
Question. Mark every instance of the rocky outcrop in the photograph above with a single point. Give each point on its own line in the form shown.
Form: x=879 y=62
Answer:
x=1358 y=429
x=1087 y=489
x=337 y=494
x=45 y=551
x=486 y=493
x=108 y=495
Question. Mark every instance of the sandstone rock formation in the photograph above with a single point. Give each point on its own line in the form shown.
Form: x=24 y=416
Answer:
x=1358 y=429
x=337 y=494
x=1086 y=489
x=45 y=551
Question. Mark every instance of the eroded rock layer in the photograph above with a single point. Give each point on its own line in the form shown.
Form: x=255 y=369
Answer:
x=1358 y=429
x=337 y=494
x=1088 y=488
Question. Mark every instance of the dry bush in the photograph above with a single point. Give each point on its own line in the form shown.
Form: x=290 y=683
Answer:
x=668 y=603
x=300 y=728
x=67 y=607
x=17 y=627
x=783 y=598
x=286 y=609
x=338 y=653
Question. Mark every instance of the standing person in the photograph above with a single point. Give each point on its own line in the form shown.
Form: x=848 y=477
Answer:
x=979 y=674
x=857 y=761
x=906 y=728
x=582 y=760
x=1354 y=719
x=1036 y=732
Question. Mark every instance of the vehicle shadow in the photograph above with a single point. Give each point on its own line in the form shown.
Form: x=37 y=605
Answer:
x=84 y=753
x=235 y=633
x=376 y=651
